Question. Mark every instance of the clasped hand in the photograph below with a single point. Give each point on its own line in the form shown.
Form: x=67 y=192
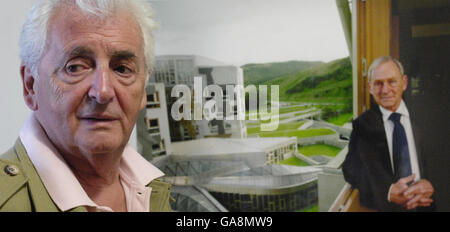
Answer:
x=410 y=196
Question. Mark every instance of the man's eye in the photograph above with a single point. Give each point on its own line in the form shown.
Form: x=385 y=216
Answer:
x=123 y=69
x=75 y=69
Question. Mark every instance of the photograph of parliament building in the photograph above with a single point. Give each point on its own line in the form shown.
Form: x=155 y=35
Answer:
x=213 y=166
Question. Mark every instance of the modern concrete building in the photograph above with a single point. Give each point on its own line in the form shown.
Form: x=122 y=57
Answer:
x=233 y=100
x=270 y=188
x=153 y=124
x=254 y=151
x=219 y=174
x=175 y=70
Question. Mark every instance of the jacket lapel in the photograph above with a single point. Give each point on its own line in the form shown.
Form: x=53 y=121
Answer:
x=416 y=130
x=380 y=140
x=40 y=198
x=10 y=185
x=159 y=198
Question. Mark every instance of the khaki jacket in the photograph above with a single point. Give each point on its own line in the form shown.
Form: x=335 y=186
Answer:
x=21 y=189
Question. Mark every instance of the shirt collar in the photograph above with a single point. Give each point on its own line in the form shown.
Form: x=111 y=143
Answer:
x=401 y=110
x=58 y=178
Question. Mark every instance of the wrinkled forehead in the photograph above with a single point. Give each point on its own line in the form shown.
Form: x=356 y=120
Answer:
x=68 y=20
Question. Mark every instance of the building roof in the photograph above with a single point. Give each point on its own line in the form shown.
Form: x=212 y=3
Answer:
x=252 y=151
x=273 y=178
x=218 y=146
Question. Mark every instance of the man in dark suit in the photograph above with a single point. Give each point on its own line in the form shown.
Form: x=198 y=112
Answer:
x=385 y=161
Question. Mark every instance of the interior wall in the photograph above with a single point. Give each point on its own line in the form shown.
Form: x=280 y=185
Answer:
x=13 y=109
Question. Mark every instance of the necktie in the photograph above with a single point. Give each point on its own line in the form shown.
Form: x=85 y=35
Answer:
x=402 y=163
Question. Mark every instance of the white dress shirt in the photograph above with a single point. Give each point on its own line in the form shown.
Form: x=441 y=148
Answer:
x=389 y=129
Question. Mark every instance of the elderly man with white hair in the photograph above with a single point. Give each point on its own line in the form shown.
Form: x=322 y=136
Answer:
x=84 y=68
x=386 y=160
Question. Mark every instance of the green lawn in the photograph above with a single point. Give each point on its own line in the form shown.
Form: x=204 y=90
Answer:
x=281 y=111
x=293 y=109
x=319 y=149
x=312 y=111
x=252 y=123
x=290 y=125
x=253 y=130
x=281 y=127
x=313 y=208
x=283 y=118
x=341 y=119
x=298 y=133
x=294 y=161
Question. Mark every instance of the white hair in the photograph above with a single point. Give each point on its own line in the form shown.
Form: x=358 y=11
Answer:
x=33 y=38
x=381 y=60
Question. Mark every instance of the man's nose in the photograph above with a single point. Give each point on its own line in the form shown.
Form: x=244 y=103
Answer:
x=102 y=89
x=385 y=88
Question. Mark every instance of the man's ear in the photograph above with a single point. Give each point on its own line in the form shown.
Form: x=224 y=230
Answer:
x=144 y=100
x=29 y=93
x=369 y=86
x=144 y=97
x=405 y=82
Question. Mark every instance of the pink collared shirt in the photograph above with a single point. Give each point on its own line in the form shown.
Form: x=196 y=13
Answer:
x=135 y=173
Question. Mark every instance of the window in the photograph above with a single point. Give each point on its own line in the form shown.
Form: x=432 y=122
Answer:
x=156 y=146
x=153 y=123
x=153 y=100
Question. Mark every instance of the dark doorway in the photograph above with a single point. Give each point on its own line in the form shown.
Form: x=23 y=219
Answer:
x=424 y=50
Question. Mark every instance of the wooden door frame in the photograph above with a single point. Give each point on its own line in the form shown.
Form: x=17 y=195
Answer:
x=373 y=38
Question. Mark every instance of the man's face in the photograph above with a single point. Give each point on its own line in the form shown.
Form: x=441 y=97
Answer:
x=387 y=85
x=91 y=82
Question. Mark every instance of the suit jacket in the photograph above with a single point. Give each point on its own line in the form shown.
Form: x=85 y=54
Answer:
x=24 y=191
x=367 y=165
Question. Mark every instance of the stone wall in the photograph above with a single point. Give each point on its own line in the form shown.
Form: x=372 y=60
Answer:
x=332 y=140
x=330 y=183
x=316 y=139
x=341 y=130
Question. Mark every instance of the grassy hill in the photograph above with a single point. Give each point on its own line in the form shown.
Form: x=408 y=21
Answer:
x=326 y=82
x=258 y=73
